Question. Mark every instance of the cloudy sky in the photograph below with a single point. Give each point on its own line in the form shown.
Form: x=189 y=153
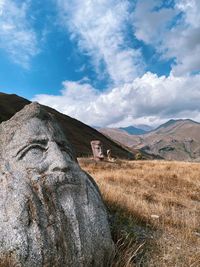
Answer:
x=105 y=62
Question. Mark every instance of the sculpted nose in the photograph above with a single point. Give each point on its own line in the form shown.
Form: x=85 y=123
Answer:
x=58 y=161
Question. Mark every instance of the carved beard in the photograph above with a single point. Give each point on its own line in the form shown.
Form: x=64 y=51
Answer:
x=52 y=222
x=56 y=203
x=53 y=212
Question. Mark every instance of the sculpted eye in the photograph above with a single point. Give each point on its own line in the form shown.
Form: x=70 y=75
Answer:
x=34 y=152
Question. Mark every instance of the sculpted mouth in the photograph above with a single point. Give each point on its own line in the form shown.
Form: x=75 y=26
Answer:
x=61 y=178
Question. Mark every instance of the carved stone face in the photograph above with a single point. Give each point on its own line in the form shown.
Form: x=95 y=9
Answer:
x=97 y=149
x=40 y=149
x=51 y=212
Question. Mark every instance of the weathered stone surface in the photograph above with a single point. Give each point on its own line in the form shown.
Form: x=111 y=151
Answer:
x=51 y=212
x=97 y=150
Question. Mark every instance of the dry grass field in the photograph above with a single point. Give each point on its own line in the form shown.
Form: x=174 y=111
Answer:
x=154 y=211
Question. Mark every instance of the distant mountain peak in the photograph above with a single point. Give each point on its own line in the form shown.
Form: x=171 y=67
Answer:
x=133 y=130
x=173 y=121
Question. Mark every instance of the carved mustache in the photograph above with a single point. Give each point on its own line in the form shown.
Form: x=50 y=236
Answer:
x=60 y=178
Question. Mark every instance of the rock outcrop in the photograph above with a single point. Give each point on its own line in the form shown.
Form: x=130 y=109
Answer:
x=51 y=212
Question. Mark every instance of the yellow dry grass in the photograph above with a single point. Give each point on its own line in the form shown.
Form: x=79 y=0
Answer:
x=155 y=210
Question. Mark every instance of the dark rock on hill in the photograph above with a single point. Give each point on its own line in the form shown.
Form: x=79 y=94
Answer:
x=78 y=133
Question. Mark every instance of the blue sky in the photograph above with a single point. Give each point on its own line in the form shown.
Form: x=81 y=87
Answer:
x=105 y=62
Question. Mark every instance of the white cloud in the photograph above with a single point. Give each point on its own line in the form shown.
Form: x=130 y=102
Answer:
x=191 y=11
x=183 y=42
x=149 y=99
x=150 y=24
x=100 y=29
x=17 y=37
x=173 y=37
x=2 y=3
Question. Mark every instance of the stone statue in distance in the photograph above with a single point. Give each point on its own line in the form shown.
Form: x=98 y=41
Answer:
x=97 y=150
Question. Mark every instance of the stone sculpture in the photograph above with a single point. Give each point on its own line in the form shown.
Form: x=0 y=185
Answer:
x=109 y=156
x=51 y=212
x=97 y=150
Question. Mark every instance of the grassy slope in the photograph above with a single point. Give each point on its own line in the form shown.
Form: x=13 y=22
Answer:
x=155 y=207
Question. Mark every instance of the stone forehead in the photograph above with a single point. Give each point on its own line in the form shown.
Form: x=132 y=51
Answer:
x=33 y=113
x=96 y=142
x=33 y=110
x=29 y=111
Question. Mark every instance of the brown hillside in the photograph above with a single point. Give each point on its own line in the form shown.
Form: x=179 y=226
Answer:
x=179 y=140
x=122 y=136
x=78 y=133
x=174 y=140
x=129 y=142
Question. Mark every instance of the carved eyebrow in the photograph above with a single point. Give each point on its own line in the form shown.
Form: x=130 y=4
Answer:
x=43 y=142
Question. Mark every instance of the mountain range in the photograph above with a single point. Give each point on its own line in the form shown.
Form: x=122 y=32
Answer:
x=173 y=140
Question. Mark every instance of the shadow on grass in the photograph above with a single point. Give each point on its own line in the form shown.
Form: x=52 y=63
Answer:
x=134 y=238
